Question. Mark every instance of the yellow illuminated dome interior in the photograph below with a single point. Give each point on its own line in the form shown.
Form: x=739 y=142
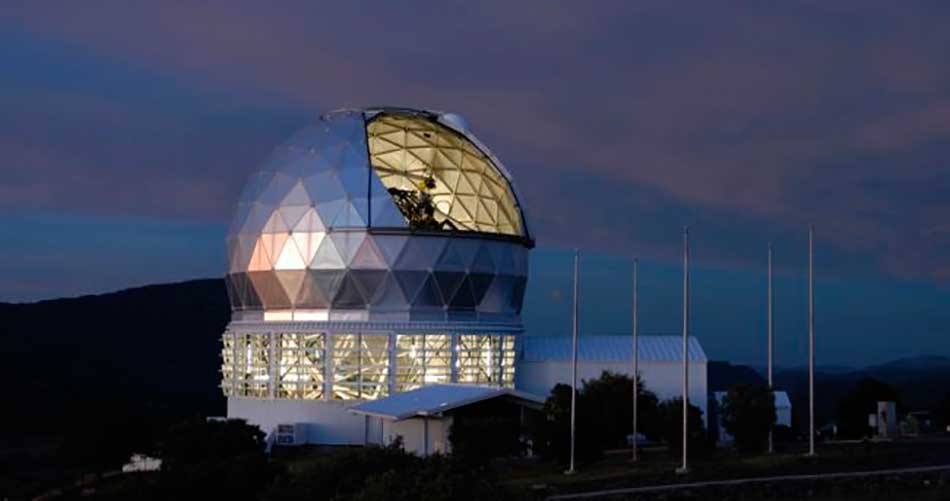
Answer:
x=470 y=194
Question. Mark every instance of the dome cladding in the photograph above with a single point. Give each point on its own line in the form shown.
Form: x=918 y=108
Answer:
x=380 y=214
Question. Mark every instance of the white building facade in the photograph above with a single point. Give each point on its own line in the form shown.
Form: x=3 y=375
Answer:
x=544 y=361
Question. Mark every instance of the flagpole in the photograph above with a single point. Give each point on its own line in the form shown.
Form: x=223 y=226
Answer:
x=636 y=355
x=685 y=466
x=570 y=470
x=811 y=342
x=770 y=346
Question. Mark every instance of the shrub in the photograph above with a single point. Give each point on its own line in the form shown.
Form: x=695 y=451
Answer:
x=387 y=473
x=862 y=401
x=748 y=413
x=215 y=460
x=671 y=426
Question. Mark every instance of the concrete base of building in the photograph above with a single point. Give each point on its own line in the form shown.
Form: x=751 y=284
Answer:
x=314 y=421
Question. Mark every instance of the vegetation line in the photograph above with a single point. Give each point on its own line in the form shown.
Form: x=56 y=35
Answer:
x=740 y=481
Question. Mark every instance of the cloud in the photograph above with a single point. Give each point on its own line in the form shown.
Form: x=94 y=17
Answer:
x=751 y=120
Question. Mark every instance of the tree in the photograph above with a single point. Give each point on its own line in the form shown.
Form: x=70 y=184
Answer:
x=609 y=398
x=670 y=414
x=486 y=430
x=748 y=413
x=215 y=460
x=856 y=406
x=941 y=412
x=604 y=418
x=552 y=435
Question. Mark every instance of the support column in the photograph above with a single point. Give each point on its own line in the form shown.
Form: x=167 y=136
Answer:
x=392 y=363
x=237 y=388
x=455 y=358
x=273 y=368
x=327 y=366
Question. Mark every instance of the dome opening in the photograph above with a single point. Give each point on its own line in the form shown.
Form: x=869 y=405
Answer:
x=439 y=179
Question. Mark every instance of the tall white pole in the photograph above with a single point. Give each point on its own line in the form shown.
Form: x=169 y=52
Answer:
x=636 y=355
x=770 y=346
x=570 y=470
x=685 y=467
x=811 y=341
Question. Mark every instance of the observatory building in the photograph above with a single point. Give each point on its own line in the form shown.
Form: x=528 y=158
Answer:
x=375 y=252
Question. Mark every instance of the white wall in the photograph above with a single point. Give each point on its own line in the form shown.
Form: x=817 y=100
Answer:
x=663 y=378
x=328 y=422
x=413 y=434
x=783 y=415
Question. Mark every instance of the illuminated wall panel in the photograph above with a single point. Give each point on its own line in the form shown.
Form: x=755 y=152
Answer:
x=292 y=365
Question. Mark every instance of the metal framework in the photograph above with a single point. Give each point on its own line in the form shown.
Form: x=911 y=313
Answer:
x=360 y=366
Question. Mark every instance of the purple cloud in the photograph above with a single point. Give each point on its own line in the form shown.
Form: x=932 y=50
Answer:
x=756 y=119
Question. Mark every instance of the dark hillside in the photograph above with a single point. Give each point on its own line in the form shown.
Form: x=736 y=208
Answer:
x=147 y=351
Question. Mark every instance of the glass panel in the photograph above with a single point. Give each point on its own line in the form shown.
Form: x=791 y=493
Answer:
x=346 y=366
x=438 y=358
x=409 y=361
x=476 y=359
x=374 y=366
x=255 y=364
x=360 y=366
x=486 y=359
x=227 y=364
x=300 y=365
x=508 y=361
x=298 y=361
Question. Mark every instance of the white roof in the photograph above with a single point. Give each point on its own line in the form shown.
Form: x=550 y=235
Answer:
x=781 y=399
x=435 y=399
x=609 y=349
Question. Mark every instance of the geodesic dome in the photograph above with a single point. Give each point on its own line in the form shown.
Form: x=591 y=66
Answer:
x=385 y=213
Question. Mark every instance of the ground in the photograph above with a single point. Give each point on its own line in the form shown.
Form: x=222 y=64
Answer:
x=657 y=466
x=533 y=478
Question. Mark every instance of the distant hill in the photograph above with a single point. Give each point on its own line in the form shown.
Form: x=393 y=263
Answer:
x=720 y=376
x=156 y=347
x=922 y=363
x=155 y=350
x=920 y=381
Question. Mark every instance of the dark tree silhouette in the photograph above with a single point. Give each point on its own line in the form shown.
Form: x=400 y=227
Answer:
x=748 y=413
x=860 y=402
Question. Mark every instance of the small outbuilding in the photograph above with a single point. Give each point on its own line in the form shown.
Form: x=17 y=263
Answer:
x=424 y=417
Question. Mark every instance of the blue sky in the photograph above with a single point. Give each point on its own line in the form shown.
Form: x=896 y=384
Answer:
x=128 y=130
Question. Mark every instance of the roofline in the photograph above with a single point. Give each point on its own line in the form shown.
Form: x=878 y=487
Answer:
x=695 y=355
x=497 y=392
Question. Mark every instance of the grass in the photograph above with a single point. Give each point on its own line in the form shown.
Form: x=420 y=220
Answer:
x=615 y=470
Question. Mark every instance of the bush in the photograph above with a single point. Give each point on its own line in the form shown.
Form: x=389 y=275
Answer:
x=671 y=426
x=552 y=435
x=387 y=473
x=215 y=460
x=477 y=440
x=748 y=413
x=941 y=412
x=862 y=401
x=782 y=435
x=206 y=460
x=608 y=397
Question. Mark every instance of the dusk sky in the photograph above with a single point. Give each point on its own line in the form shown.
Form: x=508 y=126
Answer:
x=128 y=129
